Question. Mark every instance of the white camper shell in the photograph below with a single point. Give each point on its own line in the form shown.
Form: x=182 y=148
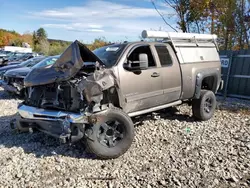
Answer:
x=189 y=47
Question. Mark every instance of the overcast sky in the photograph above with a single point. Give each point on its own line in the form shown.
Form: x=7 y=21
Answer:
x=116 y=20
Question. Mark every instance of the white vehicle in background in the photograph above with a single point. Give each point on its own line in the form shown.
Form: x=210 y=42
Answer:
x=17 y=49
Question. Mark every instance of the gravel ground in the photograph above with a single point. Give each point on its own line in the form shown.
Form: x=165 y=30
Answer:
x=170 y=150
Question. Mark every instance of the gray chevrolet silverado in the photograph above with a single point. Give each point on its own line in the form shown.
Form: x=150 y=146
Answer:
x=91 y=96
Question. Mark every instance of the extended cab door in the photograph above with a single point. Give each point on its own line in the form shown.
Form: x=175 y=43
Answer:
x=141 y=89
x=170 y=71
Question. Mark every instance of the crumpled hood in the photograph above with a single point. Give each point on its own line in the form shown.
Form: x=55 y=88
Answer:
x=66 y=67
x=19 y=72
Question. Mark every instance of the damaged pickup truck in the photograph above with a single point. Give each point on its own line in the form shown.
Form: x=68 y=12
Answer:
x=92 y=96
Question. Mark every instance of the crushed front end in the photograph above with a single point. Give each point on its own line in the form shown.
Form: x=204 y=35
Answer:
x=77 y=98
x=12 y=84
x=63 y=125
x=62 y=99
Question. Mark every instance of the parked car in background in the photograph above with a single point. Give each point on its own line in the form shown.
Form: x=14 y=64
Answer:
x=5 y=55
x=27 y=63
x=18 y=58
x=13 y=56
x=13 y=79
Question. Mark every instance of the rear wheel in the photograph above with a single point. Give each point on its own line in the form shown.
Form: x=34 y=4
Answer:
x=204 y=107
x=112 y=136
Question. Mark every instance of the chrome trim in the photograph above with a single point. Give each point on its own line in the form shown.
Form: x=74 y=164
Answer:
x=30 y=112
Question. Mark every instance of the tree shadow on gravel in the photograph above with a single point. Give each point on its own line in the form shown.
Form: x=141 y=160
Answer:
x=38 y=143
x=171 y=113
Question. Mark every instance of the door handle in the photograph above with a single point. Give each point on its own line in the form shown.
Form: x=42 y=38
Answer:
x=155 y=74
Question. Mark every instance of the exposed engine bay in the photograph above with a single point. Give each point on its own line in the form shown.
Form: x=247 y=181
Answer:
x=87 y=91
x=75 y=98
x=63 y=96
x=78 y=81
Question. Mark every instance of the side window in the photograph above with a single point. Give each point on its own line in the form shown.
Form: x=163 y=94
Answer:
x=134 y=56
x=164 y=55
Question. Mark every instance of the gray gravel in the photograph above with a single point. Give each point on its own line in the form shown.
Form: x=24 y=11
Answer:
x=170 y=150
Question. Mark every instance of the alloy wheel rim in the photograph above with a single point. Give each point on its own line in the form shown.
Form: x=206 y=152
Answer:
x=110 y=133
x=208 y=105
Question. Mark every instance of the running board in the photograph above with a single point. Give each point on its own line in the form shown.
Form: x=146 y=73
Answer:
x=133 y=114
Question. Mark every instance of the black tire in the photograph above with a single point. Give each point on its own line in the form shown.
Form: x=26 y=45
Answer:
x=204 y=107
x=99 y=143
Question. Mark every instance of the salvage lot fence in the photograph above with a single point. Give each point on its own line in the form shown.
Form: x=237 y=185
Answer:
x=236 y=73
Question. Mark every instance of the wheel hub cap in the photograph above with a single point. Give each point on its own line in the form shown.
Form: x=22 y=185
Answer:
x=110 y=133
x=208 y=105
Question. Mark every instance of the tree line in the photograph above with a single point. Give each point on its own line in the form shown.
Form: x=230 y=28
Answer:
x=39 y=42
x=229 y=19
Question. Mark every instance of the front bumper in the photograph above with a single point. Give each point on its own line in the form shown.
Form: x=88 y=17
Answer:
x=33 y=113
x=62 y=125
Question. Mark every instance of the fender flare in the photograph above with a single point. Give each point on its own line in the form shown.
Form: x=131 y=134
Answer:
x=201 y=76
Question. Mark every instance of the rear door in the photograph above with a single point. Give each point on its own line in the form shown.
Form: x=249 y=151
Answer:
x=170 y=72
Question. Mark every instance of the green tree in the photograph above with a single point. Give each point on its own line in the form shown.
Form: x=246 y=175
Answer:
x=40 y=41
x=16 y=42
x=229 y=19
x=34 y=39
x=43 y=47
x=242 y=24
x=41 y=34
x=99 y=42
x=188 y=14
x=57 y=48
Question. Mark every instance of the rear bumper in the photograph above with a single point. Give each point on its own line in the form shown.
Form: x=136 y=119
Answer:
x=59 y=124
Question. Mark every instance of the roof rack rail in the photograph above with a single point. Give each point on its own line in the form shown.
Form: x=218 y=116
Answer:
x=182 y=39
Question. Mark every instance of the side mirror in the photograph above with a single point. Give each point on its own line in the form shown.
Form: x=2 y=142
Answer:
x=143 y=59
x=142 y=64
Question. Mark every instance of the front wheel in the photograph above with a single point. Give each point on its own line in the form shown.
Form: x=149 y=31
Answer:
x=204 y=107
x=112 y=136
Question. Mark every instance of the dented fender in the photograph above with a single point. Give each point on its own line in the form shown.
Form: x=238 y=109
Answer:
x=94 y=85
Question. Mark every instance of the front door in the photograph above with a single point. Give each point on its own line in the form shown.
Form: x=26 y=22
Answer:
x=141 y=89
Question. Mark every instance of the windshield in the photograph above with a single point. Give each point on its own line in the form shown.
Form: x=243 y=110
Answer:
x=109 y=54
x=15 y=55
x=30 y=61
x=34 y=61
x=46 y=62
x=11 y=54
